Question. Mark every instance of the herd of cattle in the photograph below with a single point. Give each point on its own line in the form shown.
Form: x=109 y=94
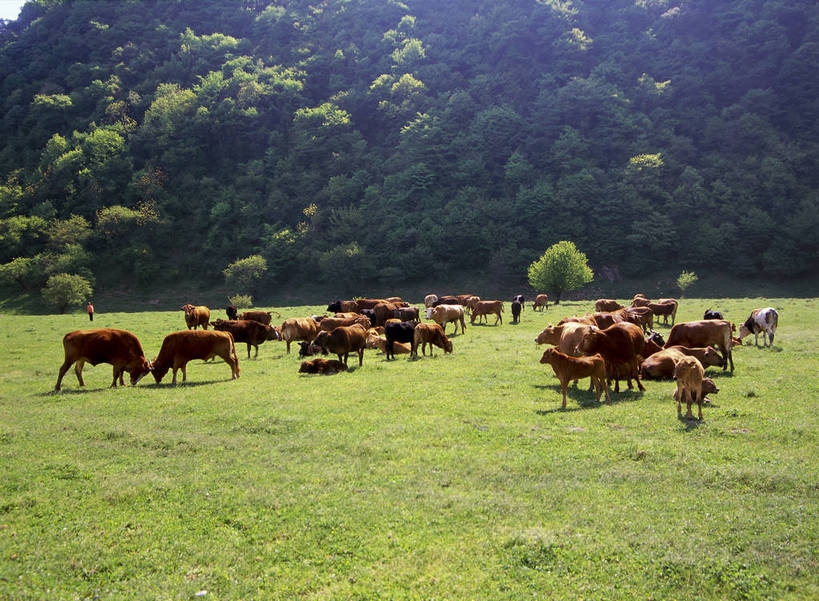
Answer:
x=610 y=344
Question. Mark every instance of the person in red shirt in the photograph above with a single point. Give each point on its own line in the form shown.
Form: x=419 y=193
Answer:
x=90 y=311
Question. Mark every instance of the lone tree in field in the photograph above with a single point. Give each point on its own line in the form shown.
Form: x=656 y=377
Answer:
x=245 y=273
x=561 y=268
x=685 y=280
x=65 y=289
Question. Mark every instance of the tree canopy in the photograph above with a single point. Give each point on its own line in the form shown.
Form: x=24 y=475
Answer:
x=405 y=140
x=560 y=269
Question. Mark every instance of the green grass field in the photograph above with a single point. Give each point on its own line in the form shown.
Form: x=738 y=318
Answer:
x=456 y=477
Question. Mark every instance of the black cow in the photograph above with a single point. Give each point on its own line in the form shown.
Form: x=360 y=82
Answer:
x=446 y=300
x=403 y=331
x=520 y=299
x=709 y=314
x=308 y=349
x=334 y=307
x=369 y=314
x=232 y=312
x=516 y=308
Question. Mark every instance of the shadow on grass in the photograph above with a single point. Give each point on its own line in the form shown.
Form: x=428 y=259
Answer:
x=179 y=382
x=585 y=399
x=720 y=374
x=690 y=423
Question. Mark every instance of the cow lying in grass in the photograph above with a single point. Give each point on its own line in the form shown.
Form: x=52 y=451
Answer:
x=326 y=367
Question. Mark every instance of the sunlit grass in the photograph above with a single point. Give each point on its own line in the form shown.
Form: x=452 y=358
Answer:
x=456 y=477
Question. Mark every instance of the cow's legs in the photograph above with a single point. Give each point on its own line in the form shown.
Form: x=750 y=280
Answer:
x=63 y=368
x=78 y=370
x=117 y=376
x=360 y=357
x=564 y=385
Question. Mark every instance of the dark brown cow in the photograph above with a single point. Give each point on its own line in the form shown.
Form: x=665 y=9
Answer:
x=642 y=316
x=196 y=316
x=432 y=334
x=104 y=345
x=328 y=324
x=299 y=328
x=407 y=314
x=326 y=367
x=342 y=306
x=249 y=331
x=620 y=345
x=706 y=332
x=344 y=340
x=568 y=368
x=260 y=316
x=606 y=304
x=368 y=303
x=180 y=347
x=665 y=308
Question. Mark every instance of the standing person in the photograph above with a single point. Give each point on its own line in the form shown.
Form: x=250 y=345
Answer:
x=90 y=311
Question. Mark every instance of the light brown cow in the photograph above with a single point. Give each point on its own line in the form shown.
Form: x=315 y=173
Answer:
x=328 y=324
x=180 y=347
x=443 y=314
x=565 y=337
x=196 y=316
x=702 y=333
x=541 y=302
x=661 y=365
x=569 y=368
x=689 y=374
x=483 y=308
x=432 y=334
x=104 y=345
x=606 y=304
x=708 y=387
x=299 y=328
x=344 y=340
x=640 y=300
x=380 y=343
x=663 y=308
x=264 y=317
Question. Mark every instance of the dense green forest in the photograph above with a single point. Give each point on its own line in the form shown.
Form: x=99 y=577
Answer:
x=147 y=141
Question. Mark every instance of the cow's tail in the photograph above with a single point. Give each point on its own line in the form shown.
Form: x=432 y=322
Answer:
x=235 y=357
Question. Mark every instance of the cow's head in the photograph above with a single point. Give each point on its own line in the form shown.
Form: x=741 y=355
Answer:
x=549 y=335
x=712 y=358
x=656 y=338
x=548 y=355
x=447 y=345
x=334 y=307
x=142 y=369
x=744 y=331
x=709 y=387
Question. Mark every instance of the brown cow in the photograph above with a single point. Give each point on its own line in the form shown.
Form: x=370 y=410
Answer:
x=689 y=375
x=708 y=387
x=344 y=340
x=104 y=345
x=326 y=367
x=249 y=331
x=180 y=347
x=642 y=316
x=640 y=301
x=407 y=314
x=382 y=312
x=299 y=328
x=328 y=324
x=443 y=314
x=664 y=308
x=620 y=345
x=566 y=337
x=264 y=317
x=432 y=334
x=342 y=306
x=661 y=365
x=569 y=368
x=706 y=332
x=482 y=308
x=367 y=303
x=380 y=343
x=606 y=304
x=196 y=316
x=541 y=302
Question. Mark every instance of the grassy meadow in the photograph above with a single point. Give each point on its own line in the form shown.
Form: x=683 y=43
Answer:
x=453 y=477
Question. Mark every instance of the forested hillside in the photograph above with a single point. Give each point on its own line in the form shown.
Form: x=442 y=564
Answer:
x=146 y=141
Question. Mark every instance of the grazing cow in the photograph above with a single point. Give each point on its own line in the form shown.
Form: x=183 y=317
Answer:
x=566 y=337
x=471 y=302
x=180 y=347
x=342 y=306
x=299 y=328
x=325 y=367
x=407 y=314
x=606 y=304
x=620 y=345
x=541 y=302
x=196 y=316
x=328 y=324
x=260 y=316
x=663 y=308
x=517 y=307
x=344 y=340
x=709 y=314
x=403 y=331
x=482 y=308
x=443 y=314
x=707 y=332
x=708 y=387
x=232 y=312
x=689 y=374
x=380 y=343
x=429 y=300
x=761 y=320
x=104 y=345
x=367 y=303
x=249 y=331
x=308 y=349
x=432 y=334
x=569 y=368
x=661 y=365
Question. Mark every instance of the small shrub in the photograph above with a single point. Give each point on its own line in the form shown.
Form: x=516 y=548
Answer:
x=241 y=301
